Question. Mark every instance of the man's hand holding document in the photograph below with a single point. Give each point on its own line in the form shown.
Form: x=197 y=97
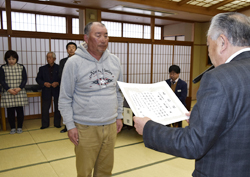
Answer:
x=156 y=101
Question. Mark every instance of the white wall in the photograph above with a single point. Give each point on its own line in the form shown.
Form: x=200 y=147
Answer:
x=185 y=29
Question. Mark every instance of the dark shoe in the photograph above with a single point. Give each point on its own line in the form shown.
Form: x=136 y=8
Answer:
x=58 y=126
x=43 y=127
x=63 y=130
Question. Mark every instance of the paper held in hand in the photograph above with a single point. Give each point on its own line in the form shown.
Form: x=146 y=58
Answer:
x=156 y=101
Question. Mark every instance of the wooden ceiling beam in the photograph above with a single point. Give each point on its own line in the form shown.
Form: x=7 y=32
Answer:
x=103 y=10
x=171 y=5
x=174 y=6
x=222 y=3
x=182 y=2
x=243 y=9
x=52 y=3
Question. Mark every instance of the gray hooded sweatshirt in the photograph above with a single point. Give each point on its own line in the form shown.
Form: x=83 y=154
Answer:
x=89 y=93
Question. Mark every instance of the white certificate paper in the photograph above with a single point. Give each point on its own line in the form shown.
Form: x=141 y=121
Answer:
x=156 y=101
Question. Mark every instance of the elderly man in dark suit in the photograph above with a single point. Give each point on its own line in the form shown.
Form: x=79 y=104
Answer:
x=48 y=78
x=218 y=134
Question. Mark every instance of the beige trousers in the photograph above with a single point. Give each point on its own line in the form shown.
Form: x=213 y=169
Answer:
x=95 y=150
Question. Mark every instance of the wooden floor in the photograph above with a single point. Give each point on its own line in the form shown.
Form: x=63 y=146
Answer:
x=49 y=153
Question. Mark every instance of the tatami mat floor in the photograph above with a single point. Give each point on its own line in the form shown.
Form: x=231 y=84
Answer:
x=49 y=153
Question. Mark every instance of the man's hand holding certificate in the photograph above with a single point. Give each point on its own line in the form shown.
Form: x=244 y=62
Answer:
x=155 y=101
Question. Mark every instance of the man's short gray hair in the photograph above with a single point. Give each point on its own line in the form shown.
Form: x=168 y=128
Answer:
x=53 y=54
x=235 y=26
x=89 y=25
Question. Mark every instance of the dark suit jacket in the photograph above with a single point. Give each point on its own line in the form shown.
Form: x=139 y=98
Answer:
x=43 y=76
x=181 y=90
x=61 y=66
x=218 y=133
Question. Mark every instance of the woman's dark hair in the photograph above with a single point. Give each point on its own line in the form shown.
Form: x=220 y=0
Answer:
x=10 y=53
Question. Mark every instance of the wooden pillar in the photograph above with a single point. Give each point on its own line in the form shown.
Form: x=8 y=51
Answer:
x=69 y=25
x=8 y=16
x=82 y=21
x=152 y=24
x=99 y=15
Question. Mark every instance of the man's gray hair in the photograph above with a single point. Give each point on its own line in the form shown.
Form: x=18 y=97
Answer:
x=235 y=26
x=53 y=54
x=89 y=25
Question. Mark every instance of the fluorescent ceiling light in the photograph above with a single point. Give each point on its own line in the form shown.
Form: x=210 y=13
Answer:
x=142 y=11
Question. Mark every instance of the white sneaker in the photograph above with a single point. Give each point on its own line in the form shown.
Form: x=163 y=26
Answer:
x=13 y=131
x=19 y=130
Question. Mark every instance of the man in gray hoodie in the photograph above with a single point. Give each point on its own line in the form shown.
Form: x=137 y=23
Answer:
x=91 y=103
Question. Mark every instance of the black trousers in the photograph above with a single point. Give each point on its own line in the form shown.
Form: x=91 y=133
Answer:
x=45 y=113
x=11 y=116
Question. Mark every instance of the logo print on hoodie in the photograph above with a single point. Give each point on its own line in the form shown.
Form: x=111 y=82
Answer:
x=102 y=77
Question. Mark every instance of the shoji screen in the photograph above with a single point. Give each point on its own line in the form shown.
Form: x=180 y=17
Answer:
x=182 y=58
x=49 y=23
x=162 y=60
x=132 y=30
x=120 y=50
x=32 y=54
x=139 y=63
x=75 y=25
x=166 y=55
x=3 y=48
x=114 y=28
x=58 y=46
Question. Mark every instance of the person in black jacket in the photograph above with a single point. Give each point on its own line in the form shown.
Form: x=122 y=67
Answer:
x=178 y=86
x=48 y=78
x=71 y=48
